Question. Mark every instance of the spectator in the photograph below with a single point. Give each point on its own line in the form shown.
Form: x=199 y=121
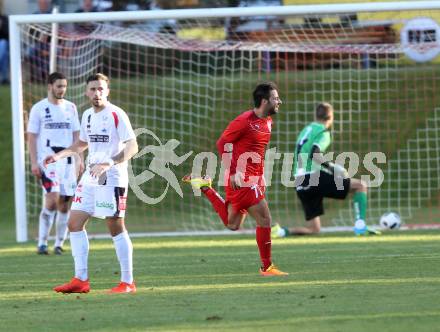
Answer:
x=87 y=7
x=4 y=50
x=118 y=5
x=38 y=52
x=44 y=7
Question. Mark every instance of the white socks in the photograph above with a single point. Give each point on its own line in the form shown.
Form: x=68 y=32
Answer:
x=61 y=228
x=79 y=243
x=124 y=251
x=80 y=252
x=45 y=224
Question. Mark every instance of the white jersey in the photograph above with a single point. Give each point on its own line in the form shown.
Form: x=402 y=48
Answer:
x=54 y=125
x=106 y=133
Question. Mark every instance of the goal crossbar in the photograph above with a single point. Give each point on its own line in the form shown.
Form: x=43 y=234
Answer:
x=227 y=12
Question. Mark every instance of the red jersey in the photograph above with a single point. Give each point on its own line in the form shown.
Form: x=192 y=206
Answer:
x=246 y=136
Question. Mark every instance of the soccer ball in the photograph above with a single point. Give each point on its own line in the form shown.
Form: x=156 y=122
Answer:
x=390 y=220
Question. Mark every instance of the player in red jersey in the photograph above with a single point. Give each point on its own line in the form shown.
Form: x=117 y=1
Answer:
x=242 y=147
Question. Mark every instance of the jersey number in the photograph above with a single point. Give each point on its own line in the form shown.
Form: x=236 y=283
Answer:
x=257 y=190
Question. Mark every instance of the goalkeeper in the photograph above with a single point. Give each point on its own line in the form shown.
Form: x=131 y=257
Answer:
x=315 y=178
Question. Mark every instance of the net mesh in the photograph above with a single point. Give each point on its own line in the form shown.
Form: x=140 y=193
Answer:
x=185 y=80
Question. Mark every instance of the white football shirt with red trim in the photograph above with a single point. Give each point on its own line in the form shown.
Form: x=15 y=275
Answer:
x=54 y=125
x=106 y=133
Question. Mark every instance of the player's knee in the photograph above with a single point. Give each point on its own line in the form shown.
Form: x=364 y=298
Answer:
x=70 y=226
x=50 y=208
x=51 y=205
x=363 y=186
x=315 y=229
x=73 y=226
x=265 y=221
x=234 y=222
x=115 y=225
x=359 y=186
x=63 y=208
x=233 y=227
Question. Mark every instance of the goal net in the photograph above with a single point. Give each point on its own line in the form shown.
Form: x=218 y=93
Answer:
x=181 y=80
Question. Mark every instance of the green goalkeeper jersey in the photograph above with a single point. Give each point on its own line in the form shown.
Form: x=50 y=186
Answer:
x=315 y=134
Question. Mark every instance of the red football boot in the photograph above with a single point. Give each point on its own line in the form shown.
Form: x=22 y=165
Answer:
x=124 y=287
x=74 y=286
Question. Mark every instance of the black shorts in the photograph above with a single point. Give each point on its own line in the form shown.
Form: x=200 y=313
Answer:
x=312 y=189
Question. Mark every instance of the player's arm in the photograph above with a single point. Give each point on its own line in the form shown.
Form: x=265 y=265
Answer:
x=335 y=169
x=79 y=158
x=321 y=143
x=76 y=133
x=128 y=137
x=231 y=134
x=318 y=158
x=33 y=130
x=76 y=148
x=32 y=147
x=130 y=149
x=225 y=147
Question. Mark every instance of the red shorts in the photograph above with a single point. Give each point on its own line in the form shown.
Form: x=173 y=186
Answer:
x=245 y=197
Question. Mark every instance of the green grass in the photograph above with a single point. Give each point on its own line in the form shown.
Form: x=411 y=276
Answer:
x=7 y=227
x=336 y=283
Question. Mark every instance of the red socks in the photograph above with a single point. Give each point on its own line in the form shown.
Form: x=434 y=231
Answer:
x=262 y=233
x=218 y=203
x=264 y=245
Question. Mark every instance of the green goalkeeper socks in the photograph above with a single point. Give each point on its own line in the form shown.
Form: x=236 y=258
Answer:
x=360 y=205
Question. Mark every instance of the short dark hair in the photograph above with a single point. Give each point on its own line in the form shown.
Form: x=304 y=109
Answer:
x=323 y=111
x=55 y=76
x=262 y=91
x=97 y=77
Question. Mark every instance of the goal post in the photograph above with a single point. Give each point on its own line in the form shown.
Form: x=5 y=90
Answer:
x=18 y=139
x=185 y=80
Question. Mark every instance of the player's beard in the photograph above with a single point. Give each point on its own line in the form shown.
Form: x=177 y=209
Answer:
x=57 y=96
x=273 y=110
x=99 y=103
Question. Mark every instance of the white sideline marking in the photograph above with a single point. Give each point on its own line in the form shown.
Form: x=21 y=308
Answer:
x=331 y=229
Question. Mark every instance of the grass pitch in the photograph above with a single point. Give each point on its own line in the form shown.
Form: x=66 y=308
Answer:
x=336 y=283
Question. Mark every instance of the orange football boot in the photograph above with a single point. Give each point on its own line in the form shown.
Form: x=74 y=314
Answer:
x=74 y=286
x=124 y=287
x=272 y=271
